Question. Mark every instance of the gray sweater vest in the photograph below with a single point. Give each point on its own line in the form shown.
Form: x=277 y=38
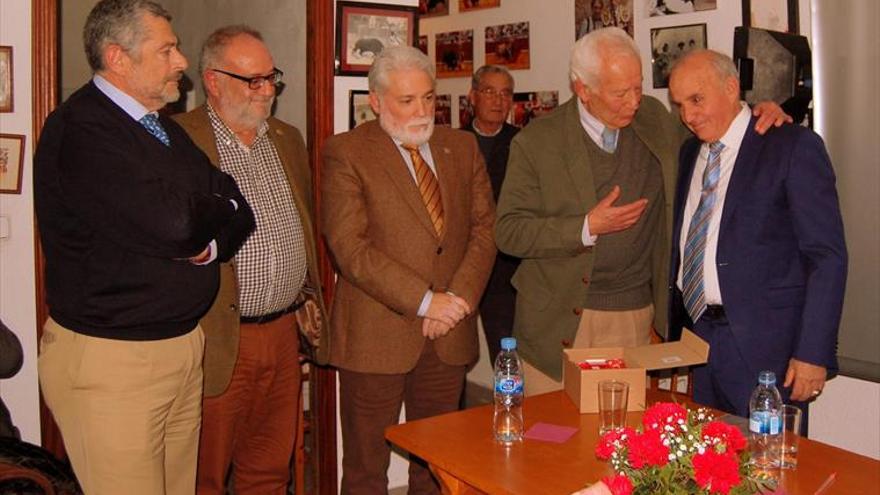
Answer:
x=622 y=260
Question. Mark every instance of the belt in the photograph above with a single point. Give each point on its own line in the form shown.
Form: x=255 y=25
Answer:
x=714 y=312
x=259 y=320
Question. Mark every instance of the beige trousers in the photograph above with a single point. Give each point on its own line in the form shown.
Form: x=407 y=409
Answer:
x=598 y=329
x=129 y=411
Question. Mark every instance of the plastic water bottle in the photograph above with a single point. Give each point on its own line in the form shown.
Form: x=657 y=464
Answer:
x=508 y=420
x=765 y=424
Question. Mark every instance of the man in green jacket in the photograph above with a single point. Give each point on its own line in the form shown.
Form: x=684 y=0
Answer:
x=586 y=204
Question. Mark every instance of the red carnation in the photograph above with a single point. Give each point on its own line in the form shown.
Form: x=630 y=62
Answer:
x=663 y=413
x=606 y=446
x=618 y=484
x=728 y=434
x=647 y=449
x=716 y=472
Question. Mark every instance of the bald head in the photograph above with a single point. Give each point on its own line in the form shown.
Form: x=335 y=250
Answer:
x=705 y=86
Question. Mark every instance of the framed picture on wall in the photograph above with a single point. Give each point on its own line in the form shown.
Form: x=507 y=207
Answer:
x=775 y=15
x=6 y=95
x=672 y=7
x=669 y=44
x=465 y=111
x=11 y=163
x=508 y=45
x=367 y=28
x=454 y=53
x=359 y=109
x=468 y=5
x=431 y=8
x=527 y=106
x=443 y=110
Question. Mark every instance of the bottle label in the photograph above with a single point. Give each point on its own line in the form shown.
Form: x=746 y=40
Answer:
x=765 y=423
x=509 y=385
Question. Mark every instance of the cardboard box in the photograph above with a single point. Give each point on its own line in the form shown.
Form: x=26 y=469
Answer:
x=582 y=386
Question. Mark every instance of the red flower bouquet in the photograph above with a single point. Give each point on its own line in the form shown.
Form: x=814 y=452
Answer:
x=679 y=452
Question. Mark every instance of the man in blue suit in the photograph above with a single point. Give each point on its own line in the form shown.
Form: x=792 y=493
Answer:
x=759 y=259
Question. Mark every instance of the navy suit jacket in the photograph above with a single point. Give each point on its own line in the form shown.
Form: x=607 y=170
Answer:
x=781 y=255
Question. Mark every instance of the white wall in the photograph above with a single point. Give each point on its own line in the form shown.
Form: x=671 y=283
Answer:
x=17 y=293
x=551 y=26
x=847 y=415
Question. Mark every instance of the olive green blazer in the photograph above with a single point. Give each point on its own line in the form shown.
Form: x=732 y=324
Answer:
x=547 y=192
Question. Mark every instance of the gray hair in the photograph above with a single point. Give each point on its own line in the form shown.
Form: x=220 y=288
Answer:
x=215 y=45
x=588 y=53
x=489 y=69
x=721 y=64
x=397 y=58
x=117 y=22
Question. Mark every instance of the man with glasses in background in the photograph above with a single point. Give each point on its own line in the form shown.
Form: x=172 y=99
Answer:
x=252 y=369
x=491 y=96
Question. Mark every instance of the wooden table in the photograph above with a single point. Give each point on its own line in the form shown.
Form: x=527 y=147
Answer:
x=464 y=455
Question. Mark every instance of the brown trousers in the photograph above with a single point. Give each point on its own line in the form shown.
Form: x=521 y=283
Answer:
x=370 y=402
x=598 y=329
x=128 y=411
x=253 y=424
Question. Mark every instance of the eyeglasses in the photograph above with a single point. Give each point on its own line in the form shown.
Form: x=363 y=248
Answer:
x=257 y=82
x=493 y=93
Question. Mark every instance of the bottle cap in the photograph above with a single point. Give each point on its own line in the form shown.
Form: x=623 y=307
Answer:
x=508 y=343
x=767 y=378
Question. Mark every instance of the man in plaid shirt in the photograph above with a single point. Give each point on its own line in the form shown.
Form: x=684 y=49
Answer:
x=252 y=370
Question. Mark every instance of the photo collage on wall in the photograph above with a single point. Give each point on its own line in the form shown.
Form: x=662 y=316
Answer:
x=506 y=45
x=668 y=43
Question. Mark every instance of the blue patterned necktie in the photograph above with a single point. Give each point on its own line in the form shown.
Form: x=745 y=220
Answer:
x=609 y=143
x=695 y=244
x=151 y=122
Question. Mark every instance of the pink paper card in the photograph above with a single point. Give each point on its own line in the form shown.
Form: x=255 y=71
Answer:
x=550 y=433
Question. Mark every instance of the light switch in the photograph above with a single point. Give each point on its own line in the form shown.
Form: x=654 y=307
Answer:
x=4 y=227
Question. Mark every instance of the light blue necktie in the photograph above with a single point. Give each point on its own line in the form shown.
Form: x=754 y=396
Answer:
x=151 y=122
x=609 y=139
x=695 y=244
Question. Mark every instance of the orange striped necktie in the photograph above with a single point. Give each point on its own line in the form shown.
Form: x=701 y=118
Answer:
x=429 y=188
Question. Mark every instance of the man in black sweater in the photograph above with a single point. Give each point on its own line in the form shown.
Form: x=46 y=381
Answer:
x=492 y=97
x=133 y=220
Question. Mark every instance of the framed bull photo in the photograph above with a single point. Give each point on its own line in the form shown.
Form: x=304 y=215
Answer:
x=365 y=29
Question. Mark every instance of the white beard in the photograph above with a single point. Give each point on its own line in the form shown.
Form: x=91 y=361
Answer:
x=402 y=132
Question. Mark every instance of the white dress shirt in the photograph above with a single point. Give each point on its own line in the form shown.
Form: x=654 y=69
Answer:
x=732 y=141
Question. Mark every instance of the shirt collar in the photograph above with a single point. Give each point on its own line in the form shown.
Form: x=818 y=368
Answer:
x=122 y=99
x=423 y=148
x=486 y=134
x=732 y=139
x=589 y=122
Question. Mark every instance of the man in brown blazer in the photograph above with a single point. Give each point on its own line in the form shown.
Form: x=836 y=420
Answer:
x=407 y=211
x=252 y=369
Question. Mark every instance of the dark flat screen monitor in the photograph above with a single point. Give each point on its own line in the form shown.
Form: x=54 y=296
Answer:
x=774 y=66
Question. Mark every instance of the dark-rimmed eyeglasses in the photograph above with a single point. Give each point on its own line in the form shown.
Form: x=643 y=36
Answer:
x=494 y=93
x=257 y=82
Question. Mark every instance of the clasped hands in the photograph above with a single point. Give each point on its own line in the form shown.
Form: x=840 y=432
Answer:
x=445 y=311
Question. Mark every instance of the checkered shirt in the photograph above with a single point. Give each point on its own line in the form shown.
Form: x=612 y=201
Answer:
x=271 y=265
